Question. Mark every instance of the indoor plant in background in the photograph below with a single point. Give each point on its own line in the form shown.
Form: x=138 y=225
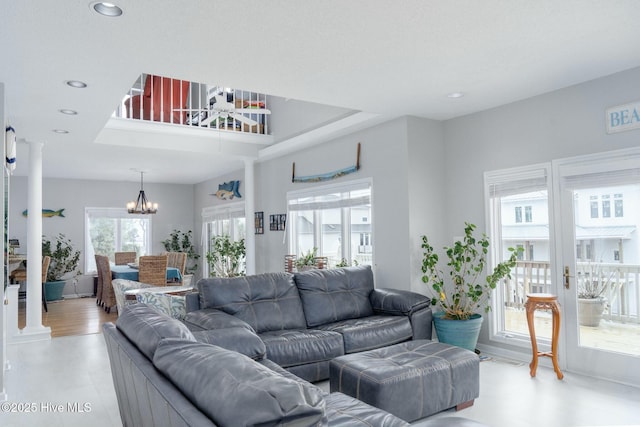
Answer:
x=463 y=292
x=226 y=257
x=307 y=261
x=179 y=241
x=64 y=265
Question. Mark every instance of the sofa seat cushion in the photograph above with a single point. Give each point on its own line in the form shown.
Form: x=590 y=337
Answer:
x=267 y=302
x=237 y=339
x=298 y=347
x=371 y=332
x=224 y=385
x=335 y=294
x=146 y=327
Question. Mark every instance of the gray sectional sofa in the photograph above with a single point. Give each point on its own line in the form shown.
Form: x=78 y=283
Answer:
x=165 y=375
x=307 y=319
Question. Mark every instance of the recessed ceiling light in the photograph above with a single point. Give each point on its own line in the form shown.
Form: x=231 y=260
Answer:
x=455 y=95
x=106 y=9
x=60 y=131
x=76 y=83
x=68 y=112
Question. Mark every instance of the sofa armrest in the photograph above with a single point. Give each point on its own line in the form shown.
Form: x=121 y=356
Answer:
x=192 y=300
x=397 y=302
x=211 y=318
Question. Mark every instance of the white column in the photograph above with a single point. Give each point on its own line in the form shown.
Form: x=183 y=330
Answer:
x=249 y=209
x=34 y=328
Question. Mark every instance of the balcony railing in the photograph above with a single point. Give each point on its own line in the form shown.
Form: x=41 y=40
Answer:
x=181 y=102
x=621 y=287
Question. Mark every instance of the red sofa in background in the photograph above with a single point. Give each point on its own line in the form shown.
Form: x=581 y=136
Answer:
x=161 y=96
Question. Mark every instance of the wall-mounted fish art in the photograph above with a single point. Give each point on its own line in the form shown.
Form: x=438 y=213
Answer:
x=48 y=213
x=329 y=175
x=228 y=190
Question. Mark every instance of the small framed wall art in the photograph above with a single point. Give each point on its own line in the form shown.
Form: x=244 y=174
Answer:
x=259 y=222
x=277 y=222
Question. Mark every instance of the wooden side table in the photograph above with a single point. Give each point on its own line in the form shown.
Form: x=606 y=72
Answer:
x=544 y=302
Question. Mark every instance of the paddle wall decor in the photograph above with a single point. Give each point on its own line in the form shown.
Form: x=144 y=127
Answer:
x=329 y=175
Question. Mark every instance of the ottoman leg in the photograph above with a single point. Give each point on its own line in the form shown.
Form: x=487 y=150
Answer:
x=464 y=405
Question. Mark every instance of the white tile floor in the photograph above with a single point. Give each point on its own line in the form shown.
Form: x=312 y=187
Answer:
x=72 y=370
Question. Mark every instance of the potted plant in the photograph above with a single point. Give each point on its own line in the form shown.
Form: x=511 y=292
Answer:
x=307 y=261
x=591 y=285
x=63 y=266
x=179 y=241
x=226 y=258
x=462 y=293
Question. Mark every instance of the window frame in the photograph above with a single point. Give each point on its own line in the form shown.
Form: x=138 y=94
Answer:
x=211 y=216
x=111 y=213
x=346 y=206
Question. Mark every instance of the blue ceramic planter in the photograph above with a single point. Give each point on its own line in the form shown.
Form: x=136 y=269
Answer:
x=461 y=333
x=53 y=290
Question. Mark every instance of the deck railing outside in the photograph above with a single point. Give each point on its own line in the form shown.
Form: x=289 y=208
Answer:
x=180 y=102
x=621 y=289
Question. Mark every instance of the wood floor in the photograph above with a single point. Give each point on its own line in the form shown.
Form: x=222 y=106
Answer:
x=74 y=316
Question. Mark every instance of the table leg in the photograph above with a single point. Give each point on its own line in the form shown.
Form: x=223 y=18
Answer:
x=533 y=366
x=555 y=309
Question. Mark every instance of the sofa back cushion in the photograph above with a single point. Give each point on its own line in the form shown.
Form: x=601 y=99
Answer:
x=145 y=327
x=267 y=302
x=336 y=294
x=233 y=390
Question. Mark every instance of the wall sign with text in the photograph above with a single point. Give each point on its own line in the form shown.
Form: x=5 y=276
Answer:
x=623 y=117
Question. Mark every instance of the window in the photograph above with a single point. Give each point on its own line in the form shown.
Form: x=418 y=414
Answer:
x=335 y=219
x=594 y=206
x=522 y=187
x=228 y=220
x=518 y=214
x=606 y=206
x=618 y=210
x=110 y=230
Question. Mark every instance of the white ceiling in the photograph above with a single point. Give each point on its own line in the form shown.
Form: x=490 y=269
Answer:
x=378 y=57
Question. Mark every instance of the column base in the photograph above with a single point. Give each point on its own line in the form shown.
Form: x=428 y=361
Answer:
x=29 y=334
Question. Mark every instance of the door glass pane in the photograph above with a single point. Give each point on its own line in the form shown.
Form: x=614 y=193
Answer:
x=532 y=272
x=608 y=268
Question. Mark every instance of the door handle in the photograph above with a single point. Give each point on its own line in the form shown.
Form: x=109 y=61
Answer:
x=566 y=276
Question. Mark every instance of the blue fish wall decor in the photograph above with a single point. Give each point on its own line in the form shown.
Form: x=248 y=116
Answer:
x=48 y=213
x=228 y=190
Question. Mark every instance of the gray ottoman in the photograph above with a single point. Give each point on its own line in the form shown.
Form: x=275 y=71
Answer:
x=411 y=380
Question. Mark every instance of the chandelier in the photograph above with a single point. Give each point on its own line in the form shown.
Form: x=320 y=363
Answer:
x=142 y=205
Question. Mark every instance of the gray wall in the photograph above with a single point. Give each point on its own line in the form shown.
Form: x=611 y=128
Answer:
x=175 y=211
x=404 y=160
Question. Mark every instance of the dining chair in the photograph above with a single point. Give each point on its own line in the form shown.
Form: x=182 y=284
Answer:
x=20 y=275
x=99 y=286
x=177 y=260
x=123 y=258
x=152 y=269
x=108 y=297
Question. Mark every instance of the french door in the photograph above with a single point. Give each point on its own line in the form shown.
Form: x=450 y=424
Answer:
x=598 y=201
x=578 y=223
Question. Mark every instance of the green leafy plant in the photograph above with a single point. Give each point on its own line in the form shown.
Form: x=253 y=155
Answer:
x=226 y=258
x=179 y=241
x=307 y=259
x=344 y=263
x=465 y=292
x=64 y=258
